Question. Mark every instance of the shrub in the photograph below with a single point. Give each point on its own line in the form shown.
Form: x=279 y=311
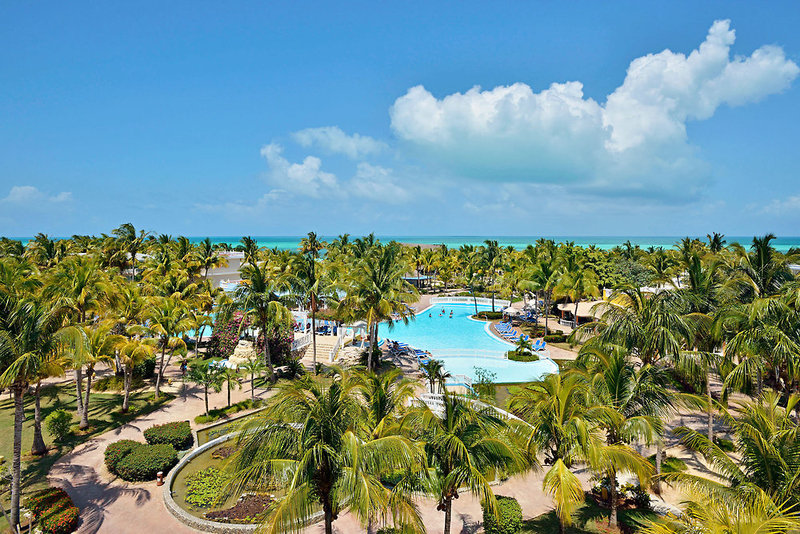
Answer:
x=509 y=519
x=555 y=338
x=146 y=368
x=219 y=413
x=61 y=522
x=116 y=383
x=522 y=357
x=143 y=462
x=488 y=315
x=117 y=451
x=58 y=424
x=204 y=487
x=389 y=530
x=54 y=510
x=177 y=434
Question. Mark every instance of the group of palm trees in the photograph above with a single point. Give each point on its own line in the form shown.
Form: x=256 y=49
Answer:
x=712 y=316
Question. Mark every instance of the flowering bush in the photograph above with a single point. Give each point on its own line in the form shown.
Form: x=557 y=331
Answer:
x=178 y=434
x=117 y=451
x=225 y=335
x=54 y=510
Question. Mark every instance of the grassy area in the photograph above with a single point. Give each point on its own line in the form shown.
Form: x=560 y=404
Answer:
x=104 y=414
x=588 y=519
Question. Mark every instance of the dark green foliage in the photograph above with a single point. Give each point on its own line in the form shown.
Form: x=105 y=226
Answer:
x=145 y=461
x=58 y=424
x=489 y=315
x=522 y=356
x=178 y=434
x=389 y=530
x=134 y=461
x=54 y=511
x=204 y=488
x=117 y=451
x=509 y=520
x=146 y=368
x=225 y=335
x=116 y=383
x=484 y=384
x=669 y=464
x=724 y=444
x=220 y=413
x=555 y=338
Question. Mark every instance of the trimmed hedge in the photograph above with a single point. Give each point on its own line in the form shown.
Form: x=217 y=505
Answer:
x=54 y=511
x=220 y=413
x=555 y=338
x=510 y=517
x=117 y=451
x=178 y=434
x=489 y=315
x=522 y=357
x=138 y=462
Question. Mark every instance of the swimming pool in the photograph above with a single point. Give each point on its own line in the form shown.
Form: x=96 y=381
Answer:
x=455 y=341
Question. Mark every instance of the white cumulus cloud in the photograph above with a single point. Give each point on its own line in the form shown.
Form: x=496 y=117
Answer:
x=333 y=139
x=377 y=183
x=634 y=142
x=306 y=178
x=28 y=194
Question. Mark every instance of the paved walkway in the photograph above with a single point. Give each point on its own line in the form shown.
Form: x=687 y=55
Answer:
x=111 y=505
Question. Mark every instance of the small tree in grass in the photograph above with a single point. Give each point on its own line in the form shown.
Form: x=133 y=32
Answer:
x=207 y=375
x=231 y=377
x=252 y=367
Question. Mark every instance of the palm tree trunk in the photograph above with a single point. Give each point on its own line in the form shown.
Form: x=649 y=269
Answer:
x=160 y=369
x=85 y=417
x=16 y=462
x=128 y=372
x=659 y=453
x=267 y=355
x=577 y=301
x=613 y=493
x=448 y=513
x=328 y=512
x=546 y=313
x=314 y=335
x=39 y=447
x=79 y=391
x=370 y=347
x=205 y=395
x=252 y=387
x=710 y=409
x=229 y=392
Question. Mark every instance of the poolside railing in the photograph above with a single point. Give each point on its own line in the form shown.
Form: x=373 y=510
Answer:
x=301 y=341
x=499 y=304
x=435 y=402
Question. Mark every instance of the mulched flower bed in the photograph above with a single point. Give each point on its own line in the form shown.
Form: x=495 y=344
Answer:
x=246 y=510
x=222 y=453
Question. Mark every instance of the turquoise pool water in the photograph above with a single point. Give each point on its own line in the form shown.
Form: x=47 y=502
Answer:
x=444 y=337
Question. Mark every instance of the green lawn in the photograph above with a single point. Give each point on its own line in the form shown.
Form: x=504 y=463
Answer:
x=588 y=519
x=104 y=414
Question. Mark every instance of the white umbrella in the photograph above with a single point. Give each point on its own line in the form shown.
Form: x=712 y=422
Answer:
x=511 y=311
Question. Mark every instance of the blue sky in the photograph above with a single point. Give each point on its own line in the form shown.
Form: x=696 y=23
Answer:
x=591 y=118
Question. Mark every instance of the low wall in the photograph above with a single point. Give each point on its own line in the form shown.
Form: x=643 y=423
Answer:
x=499 y=304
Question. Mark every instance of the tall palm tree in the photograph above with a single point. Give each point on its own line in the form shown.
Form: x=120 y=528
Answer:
x=310 y=284
x=250 y=248
x=208 y=258
x=311 y=438
x=252 y=367
x=385 y=397
x=258 y=297
x=207 y=376
x=543 y=278
x=575 y=282
x=131 y=242
x=378 y=291
x=716 y=242
x=101 y=347
x=30 y=332
x=760 y=272
x=168 y=319
x=463 y=444
x=132 y=351
x=493 y=259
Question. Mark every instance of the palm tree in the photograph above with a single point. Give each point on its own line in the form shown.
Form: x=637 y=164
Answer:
x=760 y=272
x=258 y=298
x=432 y=369
x=309 y=284
x=250 y=248
x=231 y=377
x=30 y=332
x=101 y=347
x=651 y=327
x=385 y=397
x=763 y=470
x=378 y=291
x=463 y=444
x=208 y=258
x=576 y=282
x=131 y=242
x=543 y=278
x=312 y=438
x=493 y=259
x=132 y=351
x=207 y=375
x=716 y=242
x=253 y=367
x=168 y=318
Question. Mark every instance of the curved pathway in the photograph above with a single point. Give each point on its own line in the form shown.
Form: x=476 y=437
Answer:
x=111 y=505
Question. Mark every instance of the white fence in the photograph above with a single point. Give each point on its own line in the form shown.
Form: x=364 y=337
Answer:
x=301 y=341
x=478 y=353
x=342 y=332
x=499 y=304
x=435 y=402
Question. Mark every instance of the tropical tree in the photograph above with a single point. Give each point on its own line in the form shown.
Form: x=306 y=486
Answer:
x=168 y=319
x=385 y=396
x=208 y=258
x=463 y=444
x=101 y=347
x=253 y=367
x=309 y=284
x=311 y=438
x=231 y=377
x=258 y=298
x=131 y=242
x=131 y=351
x=208 y=376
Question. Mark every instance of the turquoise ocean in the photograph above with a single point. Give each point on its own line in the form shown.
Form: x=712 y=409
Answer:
x=518 y=242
